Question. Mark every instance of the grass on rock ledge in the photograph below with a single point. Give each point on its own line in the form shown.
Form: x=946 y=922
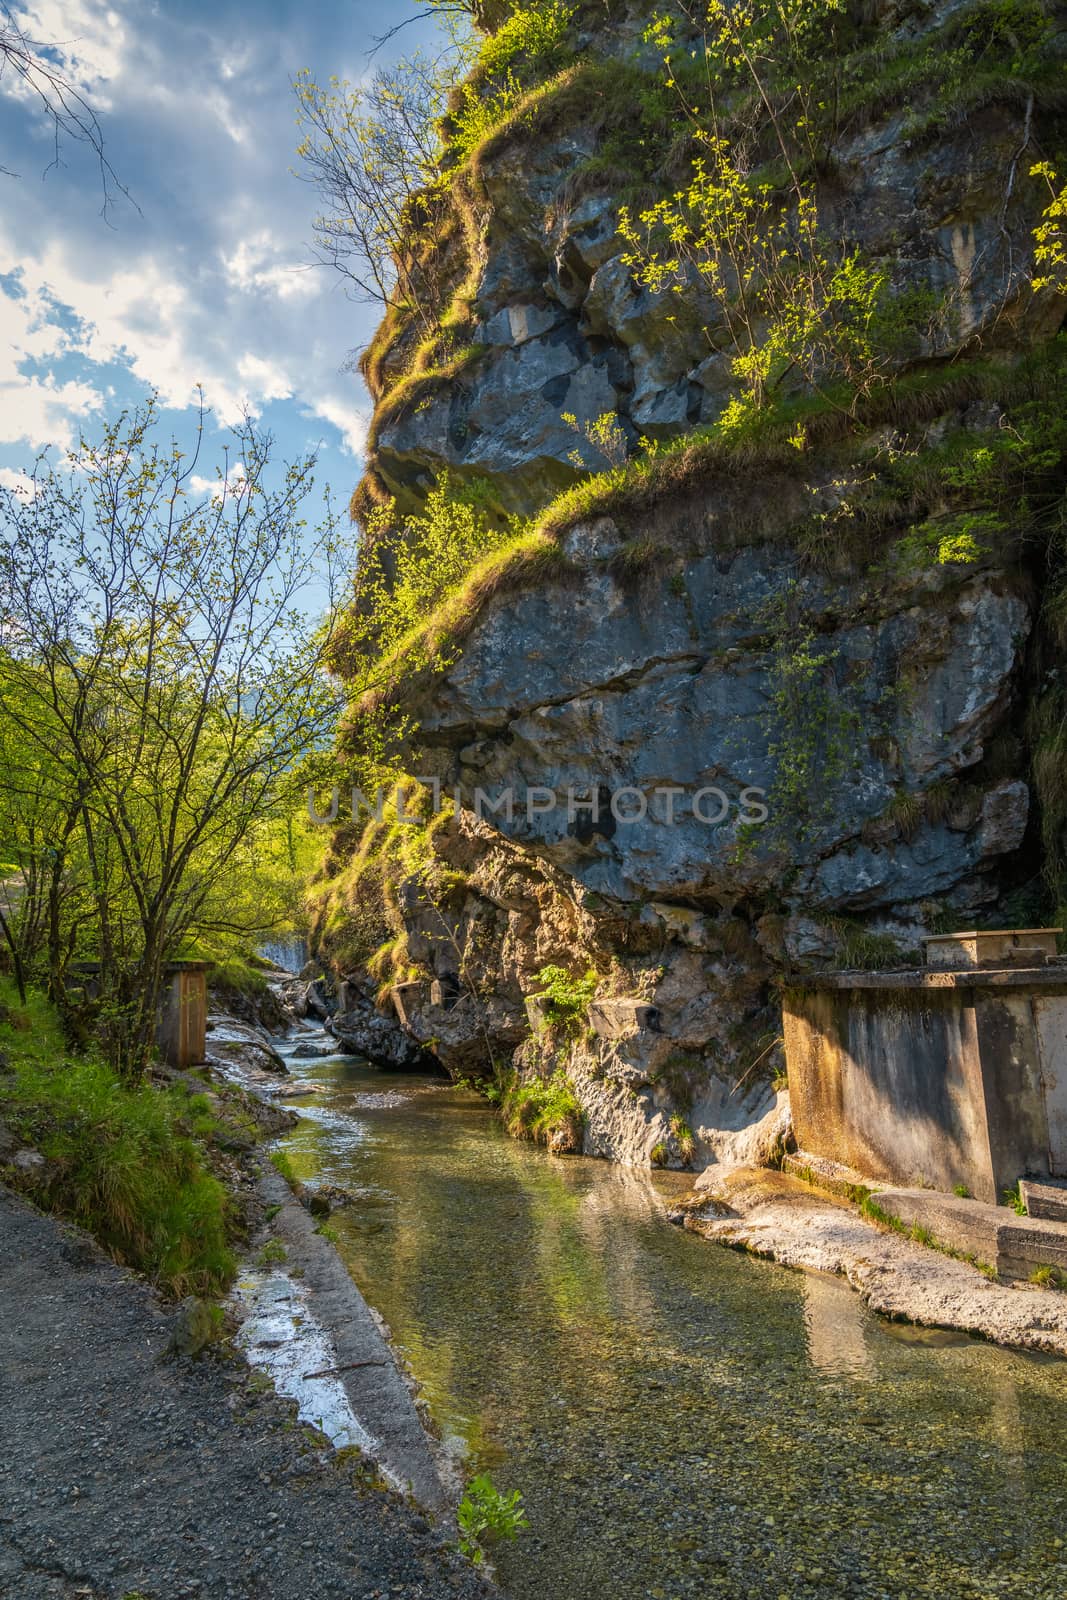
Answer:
x=126 y=1162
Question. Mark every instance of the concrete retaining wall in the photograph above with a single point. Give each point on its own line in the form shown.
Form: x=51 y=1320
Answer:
x=940 y=1080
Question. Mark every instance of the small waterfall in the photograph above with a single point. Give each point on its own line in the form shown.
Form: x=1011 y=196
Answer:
x=289 y=951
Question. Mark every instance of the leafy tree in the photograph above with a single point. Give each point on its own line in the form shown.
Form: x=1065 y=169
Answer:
x=786 y=299
x=1050 y=235
x=161 y=681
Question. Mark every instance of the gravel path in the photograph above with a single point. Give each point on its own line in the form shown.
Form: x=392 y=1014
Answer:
x=124 y=1470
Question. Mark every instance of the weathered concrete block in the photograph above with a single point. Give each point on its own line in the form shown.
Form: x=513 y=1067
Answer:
x=1002 y=946
x=993 y=1234
x=620 y=1019
x=943 y=1078
x=1044 y=1200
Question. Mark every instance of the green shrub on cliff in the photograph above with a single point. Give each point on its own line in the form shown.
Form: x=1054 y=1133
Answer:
x=530 y=43
x=541 y=1108
x=568 y=997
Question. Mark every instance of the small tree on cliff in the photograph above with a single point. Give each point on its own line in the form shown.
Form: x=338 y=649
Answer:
x=164 y=680
x=371 y=151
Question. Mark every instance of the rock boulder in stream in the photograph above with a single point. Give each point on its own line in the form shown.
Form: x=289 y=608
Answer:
x=363 y=1030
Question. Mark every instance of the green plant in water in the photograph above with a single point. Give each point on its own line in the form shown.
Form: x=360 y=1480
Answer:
x=272 y=1254
x=683 y=1135
x=658 y=1155
x=487 y=1516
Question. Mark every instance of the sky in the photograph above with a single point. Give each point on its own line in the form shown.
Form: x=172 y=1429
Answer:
x=207 y=279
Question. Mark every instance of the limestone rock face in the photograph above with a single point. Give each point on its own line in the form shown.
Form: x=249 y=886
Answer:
x=662 y=701
x=714 y=744
x=561 y=326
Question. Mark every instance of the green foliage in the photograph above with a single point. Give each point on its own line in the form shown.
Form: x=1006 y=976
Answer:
x=683 y=1135
x=785 y=300
x=958 y=540
x=1049 y=1278
x=405 y=570
x=568 y=997
x=861 y=950
x=1050 y=235
x=272 y=1254
x=372 y=152
x=160 y=688
x=659 y=1155
x=538 y=1108
x=605 y=434
x=126 y=1162
x=529 y=45
x=961 y=1190
x=1013 y=1197
x=488 y=1516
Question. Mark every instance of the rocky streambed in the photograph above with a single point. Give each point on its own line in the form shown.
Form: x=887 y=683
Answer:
x=679 y=1420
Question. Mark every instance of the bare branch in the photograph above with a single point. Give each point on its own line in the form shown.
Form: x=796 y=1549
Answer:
x=62 y=102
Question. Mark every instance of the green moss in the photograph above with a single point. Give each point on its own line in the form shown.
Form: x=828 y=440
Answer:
x=417 y=388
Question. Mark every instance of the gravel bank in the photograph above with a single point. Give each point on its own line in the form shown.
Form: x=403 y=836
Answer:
x=780 y=1217
x=125 y=1469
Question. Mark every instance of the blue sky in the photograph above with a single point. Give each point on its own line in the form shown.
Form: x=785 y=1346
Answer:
x=209 y=283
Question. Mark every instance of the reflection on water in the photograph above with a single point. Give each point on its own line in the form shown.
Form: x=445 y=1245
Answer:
x=682 y=1421
x=835 y=1325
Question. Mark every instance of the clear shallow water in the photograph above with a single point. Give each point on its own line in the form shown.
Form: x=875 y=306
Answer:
x=681 y=1420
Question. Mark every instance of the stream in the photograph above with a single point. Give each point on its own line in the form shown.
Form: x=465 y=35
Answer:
x=681 y=1420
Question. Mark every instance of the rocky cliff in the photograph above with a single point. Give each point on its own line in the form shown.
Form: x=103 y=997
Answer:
x=757 y=698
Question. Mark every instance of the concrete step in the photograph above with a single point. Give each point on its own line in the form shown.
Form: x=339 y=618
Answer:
x=833 y=1176
x=1047 y=1200
x=991 y=1234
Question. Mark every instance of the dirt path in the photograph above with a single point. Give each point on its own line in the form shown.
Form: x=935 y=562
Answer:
x=127 y=1471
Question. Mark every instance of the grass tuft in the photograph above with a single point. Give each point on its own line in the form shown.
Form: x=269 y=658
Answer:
x=124 y=1161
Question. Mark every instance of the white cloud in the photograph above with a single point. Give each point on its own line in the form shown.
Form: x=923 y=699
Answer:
x=36 y=409
x=349 y=422
x=206 y=286
x=256 y=264
x=220 y=488
x=86 y=39
x=18 y=483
